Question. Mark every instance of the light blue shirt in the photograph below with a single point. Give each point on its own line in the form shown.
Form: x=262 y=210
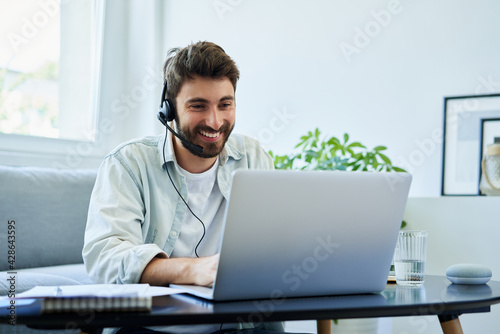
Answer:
x=136 y=214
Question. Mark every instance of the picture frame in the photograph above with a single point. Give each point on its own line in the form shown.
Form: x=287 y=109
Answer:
x=463 y=141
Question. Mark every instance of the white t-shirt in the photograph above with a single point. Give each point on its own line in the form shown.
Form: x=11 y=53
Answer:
x=208 y=204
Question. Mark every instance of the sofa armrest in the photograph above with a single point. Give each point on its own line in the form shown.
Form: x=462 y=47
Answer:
x=48 y=211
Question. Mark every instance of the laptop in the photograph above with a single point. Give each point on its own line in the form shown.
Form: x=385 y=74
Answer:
x=307 y=233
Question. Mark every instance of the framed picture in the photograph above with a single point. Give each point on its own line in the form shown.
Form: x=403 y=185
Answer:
x=463 y=140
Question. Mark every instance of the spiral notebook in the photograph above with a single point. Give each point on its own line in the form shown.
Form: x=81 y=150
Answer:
x=84 y=298
x=96 y=304
x=94 y=297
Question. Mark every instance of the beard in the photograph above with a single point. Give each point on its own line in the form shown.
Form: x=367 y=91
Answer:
x=210 y=150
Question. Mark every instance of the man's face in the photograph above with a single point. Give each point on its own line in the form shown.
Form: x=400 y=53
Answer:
x=206 y=113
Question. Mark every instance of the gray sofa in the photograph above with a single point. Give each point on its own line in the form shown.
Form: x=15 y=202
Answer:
x=46 y=211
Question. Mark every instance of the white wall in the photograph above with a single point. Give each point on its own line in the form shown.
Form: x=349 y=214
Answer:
x=295 y=77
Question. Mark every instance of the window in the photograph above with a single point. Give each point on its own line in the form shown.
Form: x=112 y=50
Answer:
x=49 y=70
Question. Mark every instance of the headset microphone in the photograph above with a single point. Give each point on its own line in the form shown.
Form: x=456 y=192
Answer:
x=166 y=113
x=197 y=149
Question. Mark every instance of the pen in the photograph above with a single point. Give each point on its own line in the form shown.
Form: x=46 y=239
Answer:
x=57 y=291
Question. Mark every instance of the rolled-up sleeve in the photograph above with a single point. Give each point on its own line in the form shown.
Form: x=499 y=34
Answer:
x=114 y=250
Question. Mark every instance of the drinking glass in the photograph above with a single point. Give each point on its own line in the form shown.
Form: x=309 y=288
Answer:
x=409 y=257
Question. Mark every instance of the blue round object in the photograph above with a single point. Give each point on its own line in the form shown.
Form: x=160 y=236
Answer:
x=468 y=273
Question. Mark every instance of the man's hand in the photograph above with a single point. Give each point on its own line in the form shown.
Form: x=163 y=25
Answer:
x=203 y=269
x=163 y=271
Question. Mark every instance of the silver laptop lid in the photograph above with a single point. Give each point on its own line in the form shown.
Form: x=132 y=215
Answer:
x=309 y=233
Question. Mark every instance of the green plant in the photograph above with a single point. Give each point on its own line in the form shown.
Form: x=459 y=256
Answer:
x=319 y=153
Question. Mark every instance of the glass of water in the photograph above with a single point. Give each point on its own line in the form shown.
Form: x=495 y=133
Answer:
x=409 y=257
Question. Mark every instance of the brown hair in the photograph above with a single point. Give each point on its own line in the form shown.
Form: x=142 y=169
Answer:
x=205 y=59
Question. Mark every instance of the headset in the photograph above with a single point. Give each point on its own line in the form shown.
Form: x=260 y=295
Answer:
x=166 y=113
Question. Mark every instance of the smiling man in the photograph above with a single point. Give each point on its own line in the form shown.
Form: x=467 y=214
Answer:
x=206 y=114
x=156 y=211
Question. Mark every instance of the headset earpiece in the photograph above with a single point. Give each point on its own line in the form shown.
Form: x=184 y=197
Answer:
x=166 y=112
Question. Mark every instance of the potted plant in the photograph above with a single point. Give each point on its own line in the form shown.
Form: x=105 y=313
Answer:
x=322 y=153
x=318 y=153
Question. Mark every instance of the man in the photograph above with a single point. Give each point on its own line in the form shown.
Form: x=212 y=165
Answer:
x=157 y=207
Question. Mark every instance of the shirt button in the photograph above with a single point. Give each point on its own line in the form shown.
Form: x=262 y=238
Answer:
x=173 y=234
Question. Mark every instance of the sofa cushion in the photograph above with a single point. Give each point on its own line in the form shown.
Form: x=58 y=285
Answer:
x=48 y=211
